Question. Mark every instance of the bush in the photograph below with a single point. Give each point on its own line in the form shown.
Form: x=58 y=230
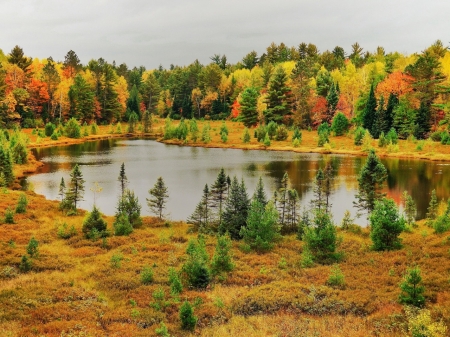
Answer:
x=260 y=133
x=206 y=133
x=72 y=129
x=122 y=226
x=25 y=264
x=9 y=216
x=66 y=233
x=266 y=141
x=359 y=135
x=146 y=275
x=246 y=136
x=412 y=288
x=442 y=224
x=33 y=247
x=436 y=136
x=386 y=225
x=222 y=261
x=323 y=131
x=19 y=152
x=392 y=136
x=336 y=278
x=321 y=239
x=49 y=129
x=271 y=129
x=382 y=141
x=196 y=266
x=340 y=124
x=93 y=221
x=54 y=136
x=281 y=133
x=176 y=287
x=188 y=320
x=445 y=138
x=94 y=128
x=22 y=204
x=297 y=135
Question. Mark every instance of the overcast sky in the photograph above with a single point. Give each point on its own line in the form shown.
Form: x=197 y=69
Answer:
x=154 y=32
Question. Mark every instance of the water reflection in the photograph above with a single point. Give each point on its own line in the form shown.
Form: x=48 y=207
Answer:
x=187 y=169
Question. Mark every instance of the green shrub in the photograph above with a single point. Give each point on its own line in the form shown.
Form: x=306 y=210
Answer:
x=54 y=136
x=116 y=260
x=412 y=288
x=359 y=135
x=246 y=136
x=33 y=247
x=260 y=133
x=25 y=264
x=382 y=141
x=49 y=129
x=222 y=260
x=340 y=124
x=271 y=129
x=64 y=232
x=442 y=224
x=386 y=225
x=22 y=204
x=297 y=135
x=95 y=221
x=281 y=133
x=162 y=330
x=196 y=267
x=72 y=129
x=147 y=275
x=94 y=128
x=9 y=216
x=336 y=278
x=187 y=318
x=392 y=136
x=176 y=287
x=122 y=226
x=266 y=140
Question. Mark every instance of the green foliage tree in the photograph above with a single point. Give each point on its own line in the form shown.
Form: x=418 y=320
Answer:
x=82 y=100
x=246 y=136
x=262 y=229
x=432 y=207
x=409 y=207
x=422 y=121
x=25 y=264
x=33 y=247
x=379 y=124
x=236 y=210
x=370 y=182
x=72 y=129
x=412 y=288
x=369 y=112
x=279 y=98
x=222 y=259
x=157 y=203
x=22 y=204
x=147 y=121
x=196 y=267
x=76 y=188
x=121 y=225
x=340 y=124
x=123 y=180
x=332 y=101
x=386 y=225
x=187 y=318
x=201 y=218
x=260 y=193
x=94 y=225
x=129 y=205
x=176 y=287
x=248 y=101
x=132 y=121
x=6 y=167
x=404 y=119
x=9 y=216
x=18 y=57
x=359 y=135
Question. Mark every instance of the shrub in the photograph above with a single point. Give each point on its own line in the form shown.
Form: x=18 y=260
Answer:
x=176 y=287
x=72 y=129
x=323 y=131
x=382 y=142
x=206 y=133
x=340 y=124
x=122 y=226
x=22 y=204
x=271 y=129
x=188 y=320
x=336 y=278
x=436 y=136
x=196 y=266
x=224 y=137
x=296 y=143
x=33 y=247
x=246 y=136
x=359 y=135
x=441 y=224
x=94 y=128
x=420 y=324
x=54 y=136
x=297 y=135
x=66 y=233
x=260 y=133
x=386 y=225
x=266 y=140
x=19 y=152
x=116 y=260
x=281 y=133
x=321 y=239
x=119 y=128
x=8 y=273
x=95 y=221
x=49 y=129
x=162 y=330
x=9 y=216
x=392 y=136
x=222 y=261
x=25 y=264
x=147 y=275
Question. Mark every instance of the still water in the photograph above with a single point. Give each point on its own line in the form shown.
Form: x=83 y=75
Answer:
x=186 y=170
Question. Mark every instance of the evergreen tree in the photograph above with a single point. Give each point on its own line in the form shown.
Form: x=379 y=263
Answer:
x=328 y=175
x=412 y=288
x=386 y=225
x=432 y=207
x=409 y=207
x=123 y=180
x=340 y=124
x=248 y=101
x=133 y=101
x=33 y=247
x=422 y=121
x=130 y=207
x=262 y=229
x=369 y=112
x=147 y=121
x=222 y=259
x=201 y=217
x=291 y=212
x=260 y=193
x=76 y=188
x=370 y=183
x=187 y=318
x=279 y=101
x=236 y=210
x=159 y=194
x=389 y=114
x=332 y=101
x=321 y=239
x=196 y=266
x=404 y=119
x=318 y=202
x=380 y=120
x=82 y=100
x=301 y=76
x=18 y=57
x=71 y=63
x=132 y=121
x=94 y=225
x=6 y=167
x=219 y=192
x=283 y=198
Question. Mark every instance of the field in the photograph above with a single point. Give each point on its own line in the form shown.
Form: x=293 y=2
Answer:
x=80 y=287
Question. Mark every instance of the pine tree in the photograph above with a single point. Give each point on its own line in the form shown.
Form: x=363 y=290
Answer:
x=222 y=259
x=404 y=119
x=260 y=193
x=370 y=183
x=159 y=194
x=201 y=217
x=6 y=167
x=187 y=318
x=318 y=201
x=71 y=63
x=291 y=212
x=94 y=225
x=432 y=207
x=196 y=266
x=389 y=114
x=412 y=288
x=236 y=210
x=409 y=207
x=248 y=106
x=18 y=57
x=123 y=180
x=261 y=230
x=82 y=99
x=279 y=100
x=422 y=121
x=76 y=188
x=219 y=192
x=130 y=207
x=147 y=121
x=369 y=112
x=133 y=102
x=302 y=90
x=332 y=101
x=321 y=238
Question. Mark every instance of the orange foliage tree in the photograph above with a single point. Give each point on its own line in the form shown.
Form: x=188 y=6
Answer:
x=397 y=83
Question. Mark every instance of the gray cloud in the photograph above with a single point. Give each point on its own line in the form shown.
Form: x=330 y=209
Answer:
x=150 y=33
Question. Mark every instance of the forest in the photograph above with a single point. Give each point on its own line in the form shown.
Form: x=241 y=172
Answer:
x=244 y=263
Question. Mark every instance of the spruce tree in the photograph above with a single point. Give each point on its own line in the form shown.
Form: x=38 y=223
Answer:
x=332 y=101
x=432 y=210
x=222 y=259
x=76 y=188
x=248 y=106
x=123 y=180
x=6 y=167
x=201 y=217
x=236 y=210
x=369 y=112
x=196 y=266
x=260 y=193
x=147 y=121
x=187 y=318
x=422 y=121
x=157 y=203
x=318 y=202
x=219 y=192
x=129 y=205
x=94 y=225
x=412 y=288
x=370 y=183
x=279 y=100
x=386 y=225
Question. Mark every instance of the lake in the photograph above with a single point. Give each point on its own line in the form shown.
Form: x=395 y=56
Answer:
x=186 y=170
